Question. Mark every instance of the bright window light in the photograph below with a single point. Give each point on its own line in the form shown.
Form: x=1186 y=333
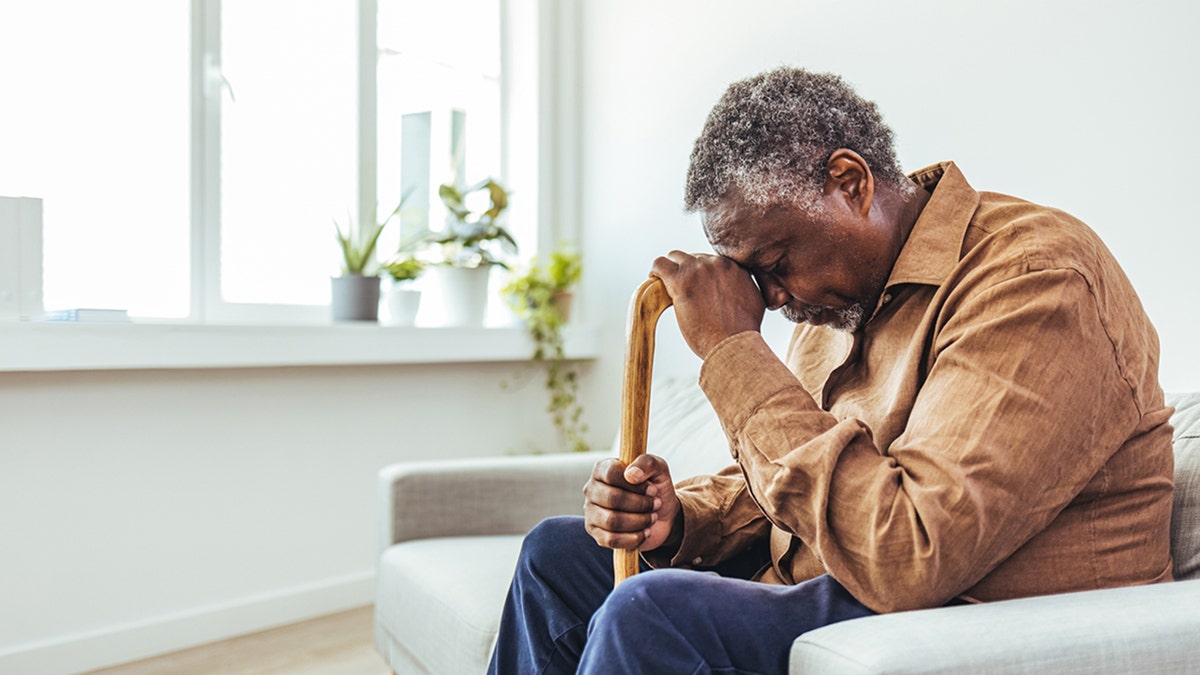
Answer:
x=437 y=58
x=95 y=122
x=288 y=146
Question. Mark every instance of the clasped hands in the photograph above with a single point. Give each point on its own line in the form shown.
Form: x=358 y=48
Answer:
x=635 y=507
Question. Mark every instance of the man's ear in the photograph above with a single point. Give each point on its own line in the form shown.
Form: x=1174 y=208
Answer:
x=847 y=174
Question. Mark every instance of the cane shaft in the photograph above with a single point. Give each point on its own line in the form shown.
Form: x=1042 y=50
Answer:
x=648 y=303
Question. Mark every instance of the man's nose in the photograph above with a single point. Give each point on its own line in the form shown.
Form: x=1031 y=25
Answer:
x=774 y=294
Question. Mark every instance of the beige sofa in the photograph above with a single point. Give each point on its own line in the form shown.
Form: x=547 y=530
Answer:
x=450 y=532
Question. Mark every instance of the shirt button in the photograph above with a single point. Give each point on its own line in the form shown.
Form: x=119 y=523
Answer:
x=697 y=560
x=887 y=297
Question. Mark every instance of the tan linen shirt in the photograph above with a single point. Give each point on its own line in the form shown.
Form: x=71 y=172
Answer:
x=996 y=430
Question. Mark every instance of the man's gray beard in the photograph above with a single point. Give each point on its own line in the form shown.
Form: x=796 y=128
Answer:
x=847 y=319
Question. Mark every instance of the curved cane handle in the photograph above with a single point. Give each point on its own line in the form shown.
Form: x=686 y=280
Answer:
x=648 y=303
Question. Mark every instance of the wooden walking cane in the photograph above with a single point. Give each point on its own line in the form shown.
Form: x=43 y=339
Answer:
x=648 y=303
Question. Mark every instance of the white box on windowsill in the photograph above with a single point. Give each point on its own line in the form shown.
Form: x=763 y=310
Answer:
x=20 y=258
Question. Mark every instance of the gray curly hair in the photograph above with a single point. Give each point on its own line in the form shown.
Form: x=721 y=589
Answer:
x=771 y=135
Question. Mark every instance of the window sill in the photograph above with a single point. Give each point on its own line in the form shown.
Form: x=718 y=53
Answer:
x=91 y=346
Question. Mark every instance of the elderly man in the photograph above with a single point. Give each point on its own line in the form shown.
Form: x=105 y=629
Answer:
x=969 y=410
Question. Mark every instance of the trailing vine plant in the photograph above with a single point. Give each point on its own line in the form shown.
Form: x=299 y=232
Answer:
x=541 y=298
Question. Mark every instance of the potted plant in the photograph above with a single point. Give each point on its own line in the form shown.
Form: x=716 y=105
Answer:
x=471 y=244
x=403 y=301
x=354 y=295
x=541 y=298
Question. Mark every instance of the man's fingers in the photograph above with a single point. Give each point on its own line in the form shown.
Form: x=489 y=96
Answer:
x=627 y=541
x=609 y=489
x=645 y=468
x=612 y=472
x=614 y=497
x=663 y=267
x=618 y=529
x=670 y=263
x=619 y=521
x=621 y=503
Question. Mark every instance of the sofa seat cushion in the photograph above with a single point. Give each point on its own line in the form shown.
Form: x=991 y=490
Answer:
x=441 y=599
x=1136 y=629
x=1185 y=513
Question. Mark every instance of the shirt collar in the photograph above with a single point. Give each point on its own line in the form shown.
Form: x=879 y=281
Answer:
x=933 y=247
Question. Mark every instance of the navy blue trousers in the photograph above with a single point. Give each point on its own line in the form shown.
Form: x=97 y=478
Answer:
x=563 y=616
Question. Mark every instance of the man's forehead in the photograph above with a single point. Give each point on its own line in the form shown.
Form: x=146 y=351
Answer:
x=739 y=246
x=734 y=228
x=721 y=233
x=728 y=217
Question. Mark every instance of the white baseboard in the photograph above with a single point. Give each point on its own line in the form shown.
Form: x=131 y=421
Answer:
x=158 y=635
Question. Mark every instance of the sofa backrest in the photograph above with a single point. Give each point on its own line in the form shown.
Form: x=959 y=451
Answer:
x=1185 y=514
x=685 y=430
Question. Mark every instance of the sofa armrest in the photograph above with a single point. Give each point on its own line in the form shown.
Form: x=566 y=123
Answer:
x=470 y=497
x=1142 y=629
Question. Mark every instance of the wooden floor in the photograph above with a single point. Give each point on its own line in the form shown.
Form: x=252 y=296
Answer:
x=338 y=644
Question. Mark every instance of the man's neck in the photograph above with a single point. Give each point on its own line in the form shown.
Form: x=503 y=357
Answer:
x=901 y=210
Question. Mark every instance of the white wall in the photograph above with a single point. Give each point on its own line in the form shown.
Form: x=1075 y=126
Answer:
x=144 y=510
x=139 y=509
x=1086 y=106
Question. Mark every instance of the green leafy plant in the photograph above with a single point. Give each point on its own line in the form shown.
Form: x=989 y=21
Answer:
x=403 y=268
x=358 y=243
x=539 y=298
x=474 y=238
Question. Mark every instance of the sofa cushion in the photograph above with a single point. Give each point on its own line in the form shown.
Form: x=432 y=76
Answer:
x=684 y=429
x=437 y=608
x=1185 y=514
x=1136 y=629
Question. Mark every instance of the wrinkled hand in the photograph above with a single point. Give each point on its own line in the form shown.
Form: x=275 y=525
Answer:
x=631 y=507
x=714 y=297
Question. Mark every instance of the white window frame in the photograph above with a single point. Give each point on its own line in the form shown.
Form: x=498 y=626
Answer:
x=540 y=117
x=539 y=127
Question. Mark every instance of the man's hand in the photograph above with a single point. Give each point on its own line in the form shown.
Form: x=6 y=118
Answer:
x=714 y=298
x=631 y=507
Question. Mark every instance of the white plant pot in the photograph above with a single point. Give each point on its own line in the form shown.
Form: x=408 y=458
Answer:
x=464 y=292
x=403 y=302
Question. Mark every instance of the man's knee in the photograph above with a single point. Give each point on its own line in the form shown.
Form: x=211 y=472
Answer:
x=552 y=539
x=651 y=594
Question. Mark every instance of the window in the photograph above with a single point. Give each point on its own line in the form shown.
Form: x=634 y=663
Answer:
x=193 y=156
x=285 y=88
x=423 y=77
x=98 y=129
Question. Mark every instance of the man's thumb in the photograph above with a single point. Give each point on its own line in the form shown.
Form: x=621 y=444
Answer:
x=635 y=474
